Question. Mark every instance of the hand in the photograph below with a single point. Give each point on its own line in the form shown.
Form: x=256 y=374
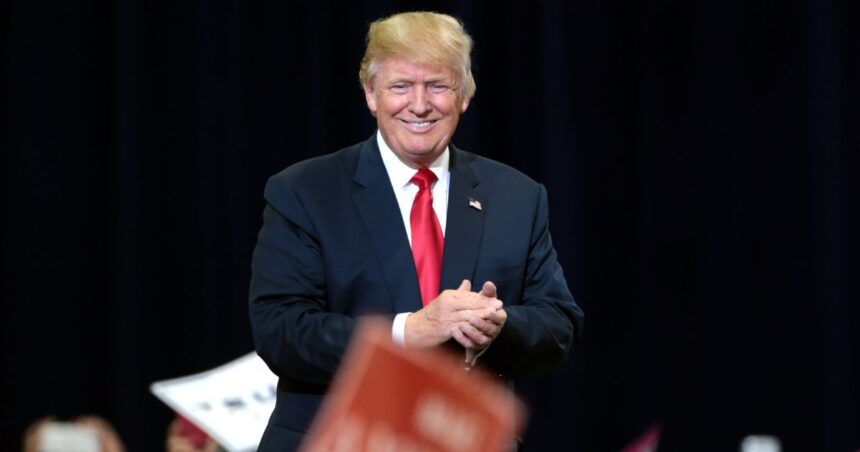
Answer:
x=177 y=441
x=108 y=439
x=479 y=332
x=440 y=319
x=32 y=436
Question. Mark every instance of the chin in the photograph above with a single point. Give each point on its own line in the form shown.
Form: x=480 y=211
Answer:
x=424 y=153
x=425 y=147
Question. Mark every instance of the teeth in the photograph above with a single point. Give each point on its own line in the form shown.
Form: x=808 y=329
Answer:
x=421 y=124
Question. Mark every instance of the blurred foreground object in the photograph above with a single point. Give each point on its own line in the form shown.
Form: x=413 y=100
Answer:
x=386 y=397
x=647 y=442
x=83 y=434
x=761 y=443
x=184 y=436
x=231 y=403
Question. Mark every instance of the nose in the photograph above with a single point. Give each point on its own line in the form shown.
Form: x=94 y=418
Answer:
x=420 y=102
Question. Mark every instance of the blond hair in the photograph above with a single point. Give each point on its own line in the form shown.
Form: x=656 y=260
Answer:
x=420 y=37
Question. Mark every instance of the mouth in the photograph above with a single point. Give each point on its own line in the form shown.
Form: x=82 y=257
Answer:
x=419 y=126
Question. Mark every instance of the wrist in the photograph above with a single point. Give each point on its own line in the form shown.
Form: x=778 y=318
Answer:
x=419 y=333
x=410 y=333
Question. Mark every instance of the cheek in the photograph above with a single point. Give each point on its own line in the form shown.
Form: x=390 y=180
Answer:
x=392 y=105
x=446 y=105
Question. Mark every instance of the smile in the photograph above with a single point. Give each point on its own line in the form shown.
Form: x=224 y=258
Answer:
x=419 y=126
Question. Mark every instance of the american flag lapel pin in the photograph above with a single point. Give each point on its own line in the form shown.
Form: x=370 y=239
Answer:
x=474 y=203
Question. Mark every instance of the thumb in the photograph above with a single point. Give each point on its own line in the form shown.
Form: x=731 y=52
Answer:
x=489 y=290
x=465 y=285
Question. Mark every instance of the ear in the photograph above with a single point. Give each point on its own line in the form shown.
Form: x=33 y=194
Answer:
x=370 y=97
x=464 y=104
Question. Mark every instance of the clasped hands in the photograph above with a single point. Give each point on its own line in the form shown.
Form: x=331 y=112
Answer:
x=473 y=319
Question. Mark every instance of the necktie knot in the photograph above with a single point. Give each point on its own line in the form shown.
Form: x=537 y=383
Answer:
x=423 y=178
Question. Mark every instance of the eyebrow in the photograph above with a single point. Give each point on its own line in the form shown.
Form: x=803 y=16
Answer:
x=398 y=80
x=435 y=79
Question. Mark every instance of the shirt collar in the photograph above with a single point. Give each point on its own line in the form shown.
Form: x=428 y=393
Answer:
x=400 y=173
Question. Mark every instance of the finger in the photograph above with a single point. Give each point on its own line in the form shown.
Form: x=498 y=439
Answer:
x=487 y=329
x=465 y=285
x=472 y=301
x=32 y=436
x=179 y=444
x=466 y=315
x=474 y=335
x=174 y=427
x=211 y=446
x=488 y=290
x=498 y=317
x=461 y=338
x=485 y=326
x=90 y=421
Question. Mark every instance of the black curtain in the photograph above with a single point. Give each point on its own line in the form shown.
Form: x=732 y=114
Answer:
x=699 y=158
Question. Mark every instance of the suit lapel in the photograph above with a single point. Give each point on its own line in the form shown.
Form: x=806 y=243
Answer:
x=465 y=222
x=378 y=209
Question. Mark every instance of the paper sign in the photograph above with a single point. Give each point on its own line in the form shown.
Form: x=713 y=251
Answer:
x=388 y=398
x=231 y=403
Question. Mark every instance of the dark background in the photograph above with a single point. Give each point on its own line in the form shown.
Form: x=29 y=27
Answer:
x=699 y=157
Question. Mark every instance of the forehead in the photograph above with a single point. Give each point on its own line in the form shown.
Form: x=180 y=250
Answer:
x=401 y=68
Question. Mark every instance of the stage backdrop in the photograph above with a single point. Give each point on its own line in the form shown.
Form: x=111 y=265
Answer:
x=701 y=160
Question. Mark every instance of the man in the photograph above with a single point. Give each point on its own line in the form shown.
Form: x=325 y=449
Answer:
x=401 y=225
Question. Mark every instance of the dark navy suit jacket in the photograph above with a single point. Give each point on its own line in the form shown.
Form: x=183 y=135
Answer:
x=333 y=248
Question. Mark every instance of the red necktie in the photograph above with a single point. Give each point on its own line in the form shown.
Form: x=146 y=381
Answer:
x=427 y=240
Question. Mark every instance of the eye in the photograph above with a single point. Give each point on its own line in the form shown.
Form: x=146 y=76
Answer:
x=439 y=88
x=399 y=88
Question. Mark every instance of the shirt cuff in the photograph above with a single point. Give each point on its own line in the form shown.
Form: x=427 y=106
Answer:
x=398 y=328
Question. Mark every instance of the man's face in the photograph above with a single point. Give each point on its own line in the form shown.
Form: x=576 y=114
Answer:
x=417 y=108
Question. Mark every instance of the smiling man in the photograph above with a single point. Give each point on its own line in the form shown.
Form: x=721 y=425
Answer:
x=405 y=225
x=417 y=107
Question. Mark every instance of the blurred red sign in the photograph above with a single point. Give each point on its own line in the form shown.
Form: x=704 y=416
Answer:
x=388 y=398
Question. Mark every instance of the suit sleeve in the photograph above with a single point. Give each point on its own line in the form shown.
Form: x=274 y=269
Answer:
x=540 y=331
x=294 y=331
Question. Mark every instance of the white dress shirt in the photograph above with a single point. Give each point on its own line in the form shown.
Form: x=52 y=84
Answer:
x=400 y=175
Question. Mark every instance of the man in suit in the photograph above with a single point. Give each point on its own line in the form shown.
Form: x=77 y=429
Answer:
x=402 y=225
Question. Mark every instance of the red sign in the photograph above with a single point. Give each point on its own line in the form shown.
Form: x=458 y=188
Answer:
x=389 y=398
